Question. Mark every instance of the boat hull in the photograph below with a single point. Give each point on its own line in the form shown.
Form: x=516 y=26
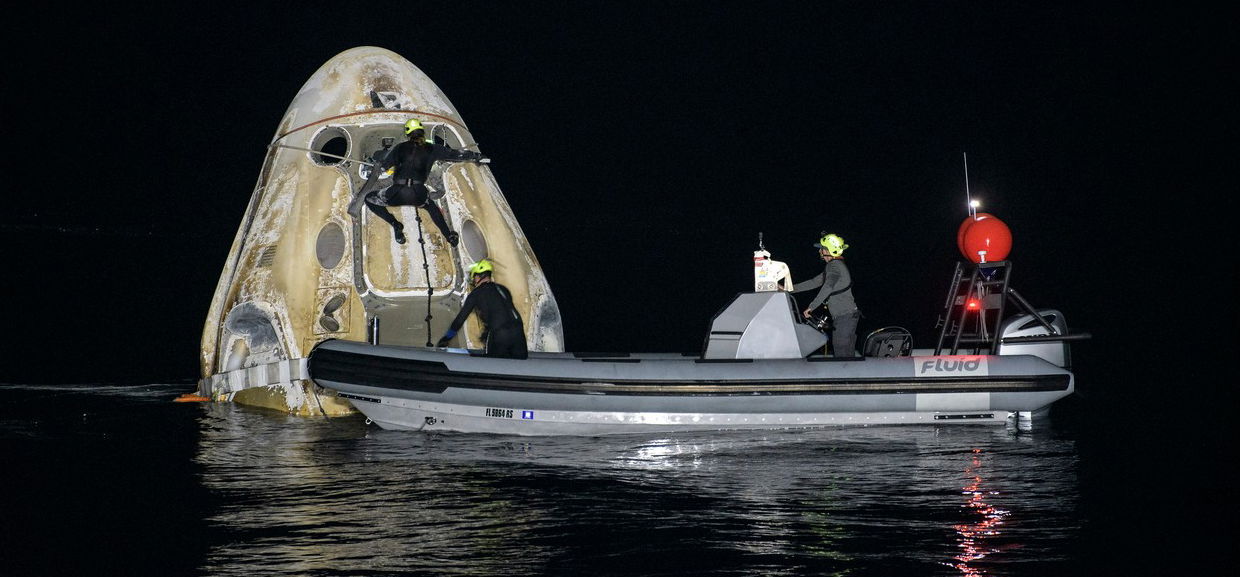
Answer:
x=567 y=394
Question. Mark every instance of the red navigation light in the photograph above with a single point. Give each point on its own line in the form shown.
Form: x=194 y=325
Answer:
x=973 y=304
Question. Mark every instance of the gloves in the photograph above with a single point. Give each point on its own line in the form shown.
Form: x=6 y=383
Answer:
x=446 y=337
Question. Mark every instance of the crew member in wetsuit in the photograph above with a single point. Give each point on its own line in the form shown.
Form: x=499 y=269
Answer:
x=836 y=292
x=503 y=331
x=410 y=162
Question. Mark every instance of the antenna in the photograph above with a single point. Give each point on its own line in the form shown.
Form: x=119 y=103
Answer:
x=967 y=196
x=760 y=245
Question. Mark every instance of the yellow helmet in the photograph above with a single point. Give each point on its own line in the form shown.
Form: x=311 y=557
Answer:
x=412 y=125
x=832 y=243
x=480 y=267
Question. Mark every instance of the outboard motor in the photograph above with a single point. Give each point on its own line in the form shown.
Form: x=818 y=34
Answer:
x=1028 y=328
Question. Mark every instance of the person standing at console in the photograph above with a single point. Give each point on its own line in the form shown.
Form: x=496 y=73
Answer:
x=836 y=292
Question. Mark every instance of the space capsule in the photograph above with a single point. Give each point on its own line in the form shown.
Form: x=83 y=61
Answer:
x=304 y=268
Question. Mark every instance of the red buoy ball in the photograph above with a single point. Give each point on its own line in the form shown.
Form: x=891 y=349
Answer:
x=964 y=226
x=987 y=240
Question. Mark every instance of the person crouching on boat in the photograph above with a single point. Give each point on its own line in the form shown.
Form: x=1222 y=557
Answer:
x=503 y=331
x=836 y=293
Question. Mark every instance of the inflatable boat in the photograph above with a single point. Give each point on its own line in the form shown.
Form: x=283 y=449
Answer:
x=760 y=368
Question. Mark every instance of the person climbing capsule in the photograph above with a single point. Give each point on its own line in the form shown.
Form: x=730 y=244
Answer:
x=410 y=164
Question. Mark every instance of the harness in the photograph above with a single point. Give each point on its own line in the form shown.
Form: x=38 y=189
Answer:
x=838 y=291
x=827 y=300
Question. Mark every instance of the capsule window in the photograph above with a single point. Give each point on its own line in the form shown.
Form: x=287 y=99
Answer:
x=447 y=135
x=330 y=245
x=330 y=146
x=474 y=242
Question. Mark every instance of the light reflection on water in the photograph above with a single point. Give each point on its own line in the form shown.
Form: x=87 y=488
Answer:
x=317 y=496
x=986 y=523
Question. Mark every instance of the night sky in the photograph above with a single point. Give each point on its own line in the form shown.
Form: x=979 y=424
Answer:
x=643 y=149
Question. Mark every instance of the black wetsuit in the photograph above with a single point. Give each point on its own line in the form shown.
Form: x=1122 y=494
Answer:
x=413 y=160
x=836 y=293
x=503 y=330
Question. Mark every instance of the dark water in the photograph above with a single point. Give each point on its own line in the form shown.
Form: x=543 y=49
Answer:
x=106 y=479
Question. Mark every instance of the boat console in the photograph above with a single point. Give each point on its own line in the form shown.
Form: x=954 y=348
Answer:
x=761 y=325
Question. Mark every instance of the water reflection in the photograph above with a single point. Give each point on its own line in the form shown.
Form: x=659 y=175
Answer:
x=306 y=496
x=973 y=537
x=326 y=497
